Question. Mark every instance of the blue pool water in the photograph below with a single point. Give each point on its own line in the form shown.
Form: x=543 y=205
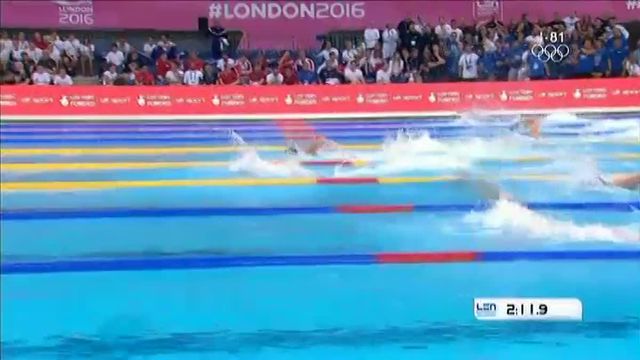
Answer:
x=375 y=311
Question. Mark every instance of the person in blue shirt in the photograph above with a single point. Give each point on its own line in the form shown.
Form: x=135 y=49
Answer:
x=600 y=60
x=617 y=55
x=489 y=61
x=617 y=35
x=453 y=54
x=515 y=60
x=568 y=68
x=536 y=68
x=306 y=76
x=219 y=40
x=502 y=61
x=586 y=60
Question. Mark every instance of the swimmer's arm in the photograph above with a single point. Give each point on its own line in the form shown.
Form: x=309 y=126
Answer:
x=629 y=182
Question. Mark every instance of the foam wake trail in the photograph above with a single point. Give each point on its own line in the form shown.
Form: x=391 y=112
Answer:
x=592 y=129
x=251 y=163
x=407 y=152
x=511 y=217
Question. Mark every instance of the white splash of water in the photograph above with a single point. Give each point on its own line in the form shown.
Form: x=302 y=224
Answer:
x=250 y=162
x=511 y=217
x=408 y=152
x=593 y=129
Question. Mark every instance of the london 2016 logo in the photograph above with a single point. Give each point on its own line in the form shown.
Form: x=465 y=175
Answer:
x=75 y=12
x=550 y=52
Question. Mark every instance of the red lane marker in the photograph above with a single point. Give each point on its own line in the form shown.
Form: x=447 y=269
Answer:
x=327 y=162
x=426 y=257
x=347 y=181
x=374 y=209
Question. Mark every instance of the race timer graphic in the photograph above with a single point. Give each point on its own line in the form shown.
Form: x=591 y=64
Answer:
x=532 y=309
x=552 y=49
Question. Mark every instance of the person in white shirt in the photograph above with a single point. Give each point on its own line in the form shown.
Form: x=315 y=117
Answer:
x=55 y=54
x=57 y=42
x=23 y=44
x=109 y=75
x=87 y=50
x=62 y=78
x=353 y=74
x=632 y=66
x=349 y=53
x=149 y=46
x=72 y=46
x=16 y=53
x=274 y=77
x=535 y=37
x=397 y=65
x=468 y=64
x=371 y=37
x=327 y=50
x=226 y=60
x=41 y=77
x=571 y=21
x=34 y=52
x=443 y=30
x=613 y=26
x=193 y=76
x=383 y=76
x=455 y=30
x=115 y=56
x=173 y=76
x=6 y=47
x=125 y=47
x=390 y=40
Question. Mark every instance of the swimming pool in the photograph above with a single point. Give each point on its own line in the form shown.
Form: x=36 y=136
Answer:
x=164 y=241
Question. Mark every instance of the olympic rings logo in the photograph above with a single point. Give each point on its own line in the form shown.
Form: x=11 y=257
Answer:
x=550 y=52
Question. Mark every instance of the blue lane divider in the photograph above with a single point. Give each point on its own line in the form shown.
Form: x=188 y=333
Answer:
x=558 y=255
x=141 y=123
x=51 y=214
x=204 y=140
x=204 y=262
x=236 y=122
x=217 y=132
x=213 y=262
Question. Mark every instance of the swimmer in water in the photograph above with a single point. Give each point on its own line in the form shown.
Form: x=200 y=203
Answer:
x=492 y=192
x=528 y=125
x=317 y=144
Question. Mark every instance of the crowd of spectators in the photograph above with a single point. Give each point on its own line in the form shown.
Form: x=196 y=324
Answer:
x=44 y=59
x=412 y=51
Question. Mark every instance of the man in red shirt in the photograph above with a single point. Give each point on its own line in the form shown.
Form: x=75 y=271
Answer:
x=290 y=77
x=229 y=76
x=39 y=41
x=163 y=65
x=144 y=76
x=258 y=75
x=194 y=62
x=286 y=62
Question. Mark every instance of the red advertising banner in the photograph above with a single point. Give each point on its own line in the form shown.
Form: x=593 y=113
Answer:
x=48 y=102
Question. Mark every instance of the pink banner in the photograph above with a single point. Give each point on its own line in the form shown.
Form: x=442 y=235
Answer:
x=282 y=23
